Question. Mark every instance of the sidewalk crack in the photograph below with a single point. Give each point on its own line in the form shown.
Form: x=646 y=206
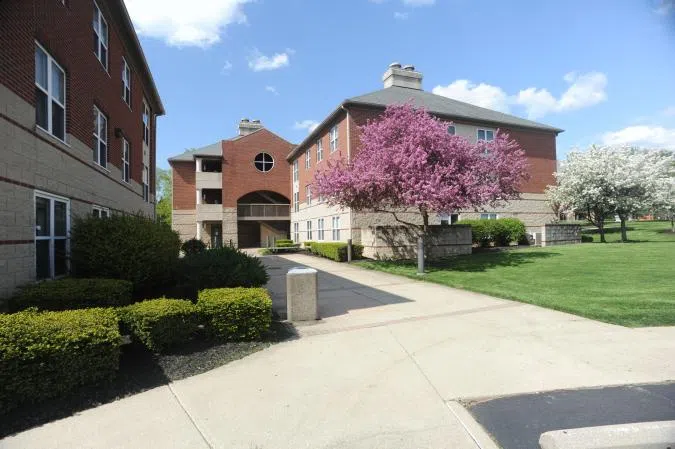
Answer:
x=194 y=424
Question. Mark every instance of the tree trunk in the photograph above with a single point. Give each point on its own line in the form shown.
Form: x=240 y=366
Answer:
x=672 y=223
x=422 y=246
x=601 y=228
x=624 y=234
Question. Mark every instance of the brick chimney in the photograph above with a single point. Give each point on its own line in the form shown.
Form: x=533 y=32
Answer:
x=405 y=76
x=247 y=126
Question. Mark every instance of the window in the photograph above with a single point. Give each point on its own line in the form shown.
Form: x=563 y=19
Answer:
x=447 y=219
x=308 y=158
x=146 y=123
x=336 y=228
x=100 y=211
x=309 y=230
x=489 y=216
x=100 y=37
x=126 y=157
x=308 y=195
x=486 y=134
x=50 y=94
x=319 y=229
x=295 y=170
x=263 y=162
x=451 y=130
x=296 y=201
x=319 y=150
x=296 y=232
x=146 y=184
x=126 y=82
x=100 y=138
x=52 y=225
x=333 y=138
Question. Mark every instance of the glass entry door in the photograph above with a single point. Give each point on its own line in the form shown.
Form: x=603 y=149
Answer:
x=52 y=224
x=217 y=235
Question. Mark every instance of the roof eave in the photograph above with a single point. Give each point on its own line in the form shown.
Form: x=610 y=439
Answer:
x=312 y=136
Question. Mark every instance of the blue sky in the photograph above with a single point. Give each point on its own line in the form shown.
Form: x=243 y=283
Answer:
x=603 y=70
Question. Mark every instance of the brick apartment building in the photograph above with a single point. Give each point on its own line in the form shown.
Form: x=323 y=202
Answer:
x=77 y=128
x=337 y=136
x=235 y=191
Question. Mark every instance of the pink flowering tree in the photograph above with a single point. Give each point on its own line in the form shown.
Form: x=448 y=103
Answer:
x=407 y=160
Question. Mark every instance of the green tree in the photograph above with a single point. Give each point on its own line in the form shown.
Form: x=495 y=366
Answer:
x=164 y=195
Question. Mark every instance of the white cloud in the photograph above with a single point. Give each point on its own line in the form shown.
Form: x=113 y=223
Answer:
x=415 y=3
x=669 y=111
x=227 y=67
x=309 y=125
x=400 y=15
x=272 y=89
x=584 y=90
x=179 y=23
x=259 y=62
x=664 y=7
x=642 y=135
x=483 y=95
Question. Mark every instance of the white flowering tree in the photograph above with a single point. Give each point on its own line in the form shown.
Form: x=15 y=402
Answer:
x=604 y=181
x=665 y=200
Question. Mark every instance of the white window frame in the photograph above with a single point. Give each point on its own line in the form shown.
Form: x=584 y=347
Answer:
x=100 y=211
x=485 y=132
x=296 y=201
x=98 y=31
x=336 y=228
x=51 y=237
x=319 y=150
x=489 y=216
x=49 y=92
x=308 y=195
x=126 y=161
x=126 y=82
x=295 y=170
x=147 y=121
x=308 y=158
x=263 y=162
x=310 y=235
x=98 y=139
x=296 y=232
x=320 y=229
x=333 y=138
x=146 y=183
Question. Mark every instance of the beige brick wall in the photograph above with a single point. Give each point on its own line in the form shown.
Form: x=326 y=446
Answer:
x=399 y=242
x=560 y=234
x=184 y=222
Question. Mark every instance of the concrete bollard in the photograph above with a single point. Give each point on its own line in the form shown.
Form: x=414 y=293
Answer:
x=302 y=288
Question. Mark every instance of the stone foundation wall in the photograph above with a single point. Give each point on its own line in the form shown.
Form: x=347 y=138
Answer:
x=398 y=242
x=560 y=234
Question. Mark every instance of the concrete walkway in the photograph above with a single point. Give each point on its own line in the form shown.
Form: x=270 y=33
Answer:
x=382 y=369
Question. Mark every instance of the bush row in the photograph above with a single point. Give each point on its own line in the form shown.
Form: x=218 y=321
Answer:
x=500 y=232
x=336 y=251
x=48 y=354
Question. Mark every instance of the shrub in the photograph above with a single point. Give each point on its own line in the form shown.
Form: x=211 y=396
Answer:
x=236 y=313
x=308 y=243
x=287 y=245
x=132 y=248
x=500 y=232
x=219 y=268
x=73 y=293
x=160 y=324
x=48 y=354
x=193 y=246
x=513 y=230
x=283 y=242
x=586 y=238
x=336 y=250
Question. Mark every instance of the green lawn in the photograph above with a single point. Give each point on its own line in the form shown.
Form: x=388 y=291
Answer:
x=631 y=284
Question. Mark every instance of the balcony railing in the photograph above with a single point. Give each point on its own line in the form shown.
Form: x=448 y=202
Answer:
x=264 y=211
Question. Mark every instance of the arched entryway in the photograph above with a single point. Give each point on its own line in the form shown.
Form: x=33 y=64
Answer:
x=262 y=217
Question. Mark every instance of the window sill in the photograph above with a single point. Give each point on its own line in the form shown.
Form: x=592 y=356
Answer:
x=100 y=167
x=43 y=132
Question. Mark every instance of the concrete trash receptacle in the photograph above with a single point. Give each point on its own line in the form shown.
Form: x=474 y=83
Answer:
x=302 y=288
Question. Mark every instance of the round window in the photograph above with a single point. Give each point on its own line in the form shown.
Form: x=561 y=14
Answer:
x=263 y=162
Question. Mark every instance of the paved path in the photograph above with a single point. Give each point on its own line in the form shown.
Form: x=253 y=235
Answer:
x=382 y=369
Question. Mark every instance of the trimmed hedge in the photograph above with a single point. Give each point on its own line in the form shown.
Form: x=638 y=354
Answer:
x=235 y=313
x=129 y=247
x=308 y=243
x=284 y=242
x=500 y=232
x=220 y=268
x=336 y=250
x=48 y=354
x=73 y=293
x=586 y=238
x=193 y=246
x=287 y=244
x=160 y=324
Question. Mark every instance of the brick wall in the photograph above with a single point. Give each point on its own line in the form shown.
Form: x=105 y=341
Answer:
x=184 y=193
x=66 y=32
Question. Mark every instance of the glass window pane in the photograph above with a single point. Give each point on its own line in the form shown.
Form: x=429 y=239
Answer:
x=95 y=21
x=103 y=128
x=489 y=135
x=58 y=121
x=58 y=87
x=103 y=154
x=96 y=44
x=41 y=67
x=42 y=259
x=41 y=109
x=481 y=134
x=104 y=32
x=104 y=57
x=95 y=213
x=60 y=257
x=60 y=218
x=42 y=224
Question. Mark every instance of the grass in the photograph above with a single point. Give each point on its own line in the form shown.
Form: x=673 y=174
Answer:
x=630 y=284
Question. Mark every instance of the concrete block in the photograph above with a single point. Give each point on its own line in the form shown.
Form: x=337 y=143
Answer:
x=302 y=288
x=648 y=435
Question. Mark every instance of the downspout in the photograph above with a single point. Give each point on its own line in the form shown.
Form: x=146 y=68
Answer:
x=349 y=156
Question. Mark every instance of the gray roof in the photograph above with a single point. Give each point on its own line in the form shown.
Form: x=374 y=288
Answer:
x=215 y=149
x=437 y=104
